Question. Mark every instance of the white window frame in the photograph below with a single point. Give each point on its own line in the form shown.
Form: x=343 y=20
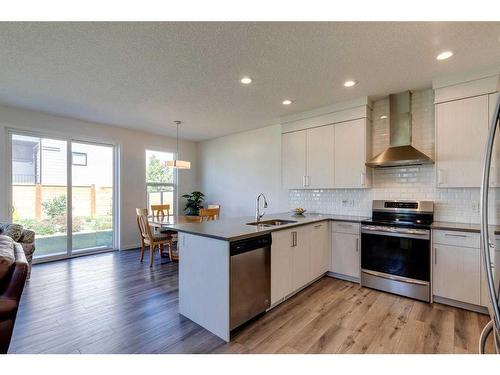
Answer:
x=70 y=253
x=174 y=185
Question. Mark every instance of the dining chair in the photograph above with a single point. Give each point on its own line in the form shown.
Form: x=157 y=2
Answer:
x=209 y=214
x=148 y=238
x=215 y=206
x=158 y=210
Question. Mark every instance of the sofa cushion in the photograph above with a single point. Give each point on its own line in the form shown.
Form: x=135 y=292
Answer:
x=14 y=231
x=7 y=257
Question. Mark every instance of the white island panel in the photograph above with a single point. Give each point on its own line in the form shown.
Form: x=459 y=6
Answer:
x=204 y=282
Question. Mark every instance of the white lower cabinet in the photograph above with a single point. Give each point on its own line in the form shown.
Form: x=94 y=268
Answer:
x=456 y=273
x=345 y=249
x=495 y=259
x=298 y=256
x=456 y=266
x=281 y=264
x=301 y=258
x=320 y=249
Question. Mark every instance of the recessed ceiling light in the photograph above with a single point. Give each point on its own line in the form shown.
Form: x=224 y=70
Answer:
x=287 y=102
x=350 y=83
x=383 y=117
x=246 y=80
x=444 y=55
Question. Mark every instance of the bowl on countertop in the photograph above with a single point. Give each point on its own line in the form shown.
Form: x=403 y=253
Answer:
x=298 y=211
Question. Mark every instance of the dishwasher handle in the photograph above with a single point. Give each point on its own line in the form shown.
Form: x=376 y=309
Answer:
x=249 y=244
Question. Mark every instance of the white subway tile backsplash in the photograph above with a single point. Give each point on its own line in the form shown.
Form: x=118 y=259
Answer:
x=415 y=182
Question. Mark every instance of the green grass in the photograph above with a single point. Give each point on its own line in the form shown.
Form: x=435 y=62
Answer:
x=58 y=244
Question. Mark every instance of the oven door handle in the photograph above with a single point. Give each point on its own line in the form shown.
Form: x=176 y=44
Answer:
x=423 y=234
x=395 y=278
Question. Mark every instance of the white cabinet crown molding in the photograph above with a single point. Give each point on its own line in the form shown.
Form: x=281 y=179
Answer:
x=468 y=86
x=355 y=110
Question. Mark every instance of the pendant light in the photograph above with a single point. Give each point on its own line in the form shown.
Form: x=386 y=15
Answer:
x=176 y=163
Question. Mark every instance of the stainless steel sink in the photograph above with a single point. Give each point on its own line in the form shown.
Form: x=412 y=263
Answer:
x=272 y=223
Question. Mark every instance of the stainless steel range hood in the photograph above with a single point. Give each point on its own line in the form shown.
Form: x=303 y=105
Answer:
x=401 y=152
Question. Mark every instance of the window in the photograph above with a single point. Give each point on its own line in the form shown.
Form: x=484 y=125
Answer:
x=79 y=159
x=161 y=184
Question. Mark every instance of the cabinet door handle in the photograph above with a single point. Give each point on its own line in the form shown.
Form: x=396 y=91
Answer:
x=435 y=255
x=307 y=180
x=357 y=244
x=304 y=181
x=294 y=239
x=291 y=239
x=318 y=226
x=363 y=174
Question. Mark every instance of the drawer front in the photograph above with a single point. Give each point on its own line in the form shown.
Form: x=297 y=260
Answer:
x=345 y=227
x=319 y=226
x=455 y=238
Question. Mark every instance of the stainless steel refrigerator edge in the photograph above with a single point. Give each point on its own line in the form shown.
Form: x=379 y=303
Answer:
x=486 y=244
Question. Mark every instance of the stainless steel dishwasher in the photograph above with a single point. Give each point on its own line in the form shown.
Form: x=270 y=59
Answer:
x=250 y=289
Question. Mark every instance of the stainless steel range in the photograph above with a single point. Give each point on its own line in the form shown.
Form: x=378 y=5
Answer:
x=396 y=248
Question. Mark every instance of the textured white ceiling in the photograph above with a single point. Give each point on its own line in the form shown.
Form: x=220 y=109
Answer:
x=145 y=75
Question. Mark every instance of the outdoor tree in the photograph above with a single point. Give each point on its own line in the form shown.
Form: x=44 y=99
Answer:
x=157 y=172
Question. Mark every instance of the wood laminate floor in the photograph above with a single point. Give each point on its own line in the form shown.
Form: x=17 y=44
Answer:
x=111 y=303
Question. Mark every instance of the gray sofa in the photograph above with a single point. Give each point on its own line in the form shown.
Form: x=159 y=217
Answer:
x=25 y=237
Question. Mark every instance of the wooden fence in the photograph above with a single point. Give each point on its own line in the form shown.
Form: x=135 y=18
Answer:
x=87 y=200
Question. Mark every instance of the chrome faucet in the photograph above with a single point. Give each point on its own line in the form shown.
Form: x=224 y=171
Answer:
x=258 y=215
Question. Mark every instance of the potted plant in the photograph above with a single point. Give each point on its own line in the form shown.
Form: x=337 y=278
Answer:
x=194 y=203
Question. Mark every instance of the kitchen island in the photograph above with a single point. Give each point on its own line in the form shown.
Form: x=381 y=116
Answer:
x=205 y=262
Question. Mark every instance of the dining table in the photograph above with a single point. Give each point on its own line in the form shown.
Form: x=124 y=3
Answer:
x=168 y=220
x=163 y=222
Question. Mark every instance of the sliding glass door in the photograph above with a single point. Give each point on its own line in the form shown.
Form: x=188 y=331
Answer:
x=40 y=191
x=92 y=196
x=64 y=191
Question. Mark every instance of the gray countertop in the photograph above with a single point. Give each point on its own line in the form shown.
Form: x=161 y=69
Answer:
x=236 y=228
x=462 y=227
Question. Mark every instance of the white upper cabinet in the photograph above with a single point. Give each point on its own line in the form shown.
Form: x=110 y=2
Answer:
x=320 y=157
x=316 y=144
x=461 y=132
x=350 y=154
x=294 y=159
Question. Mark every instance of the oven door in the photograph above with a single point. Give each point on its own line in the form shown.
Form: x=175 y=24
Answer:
x=402 y=252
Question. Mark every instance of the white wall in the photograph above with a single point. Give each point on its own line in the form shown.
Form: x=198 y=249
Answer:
x=235 y=169
x=131 y=145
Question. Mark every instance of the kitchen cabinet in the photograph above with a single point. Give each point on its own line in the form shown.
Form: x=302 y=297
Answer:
x=301 y=258
x=320 y=157
x=298 y=256
x=456 y=266
x=350 y=154
x=345 y=250
x=461 y=132
x=308 y=158
x=326 y=157
x=281 y=264
x=319 y=249
x=293 y=159
x=495 y=258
